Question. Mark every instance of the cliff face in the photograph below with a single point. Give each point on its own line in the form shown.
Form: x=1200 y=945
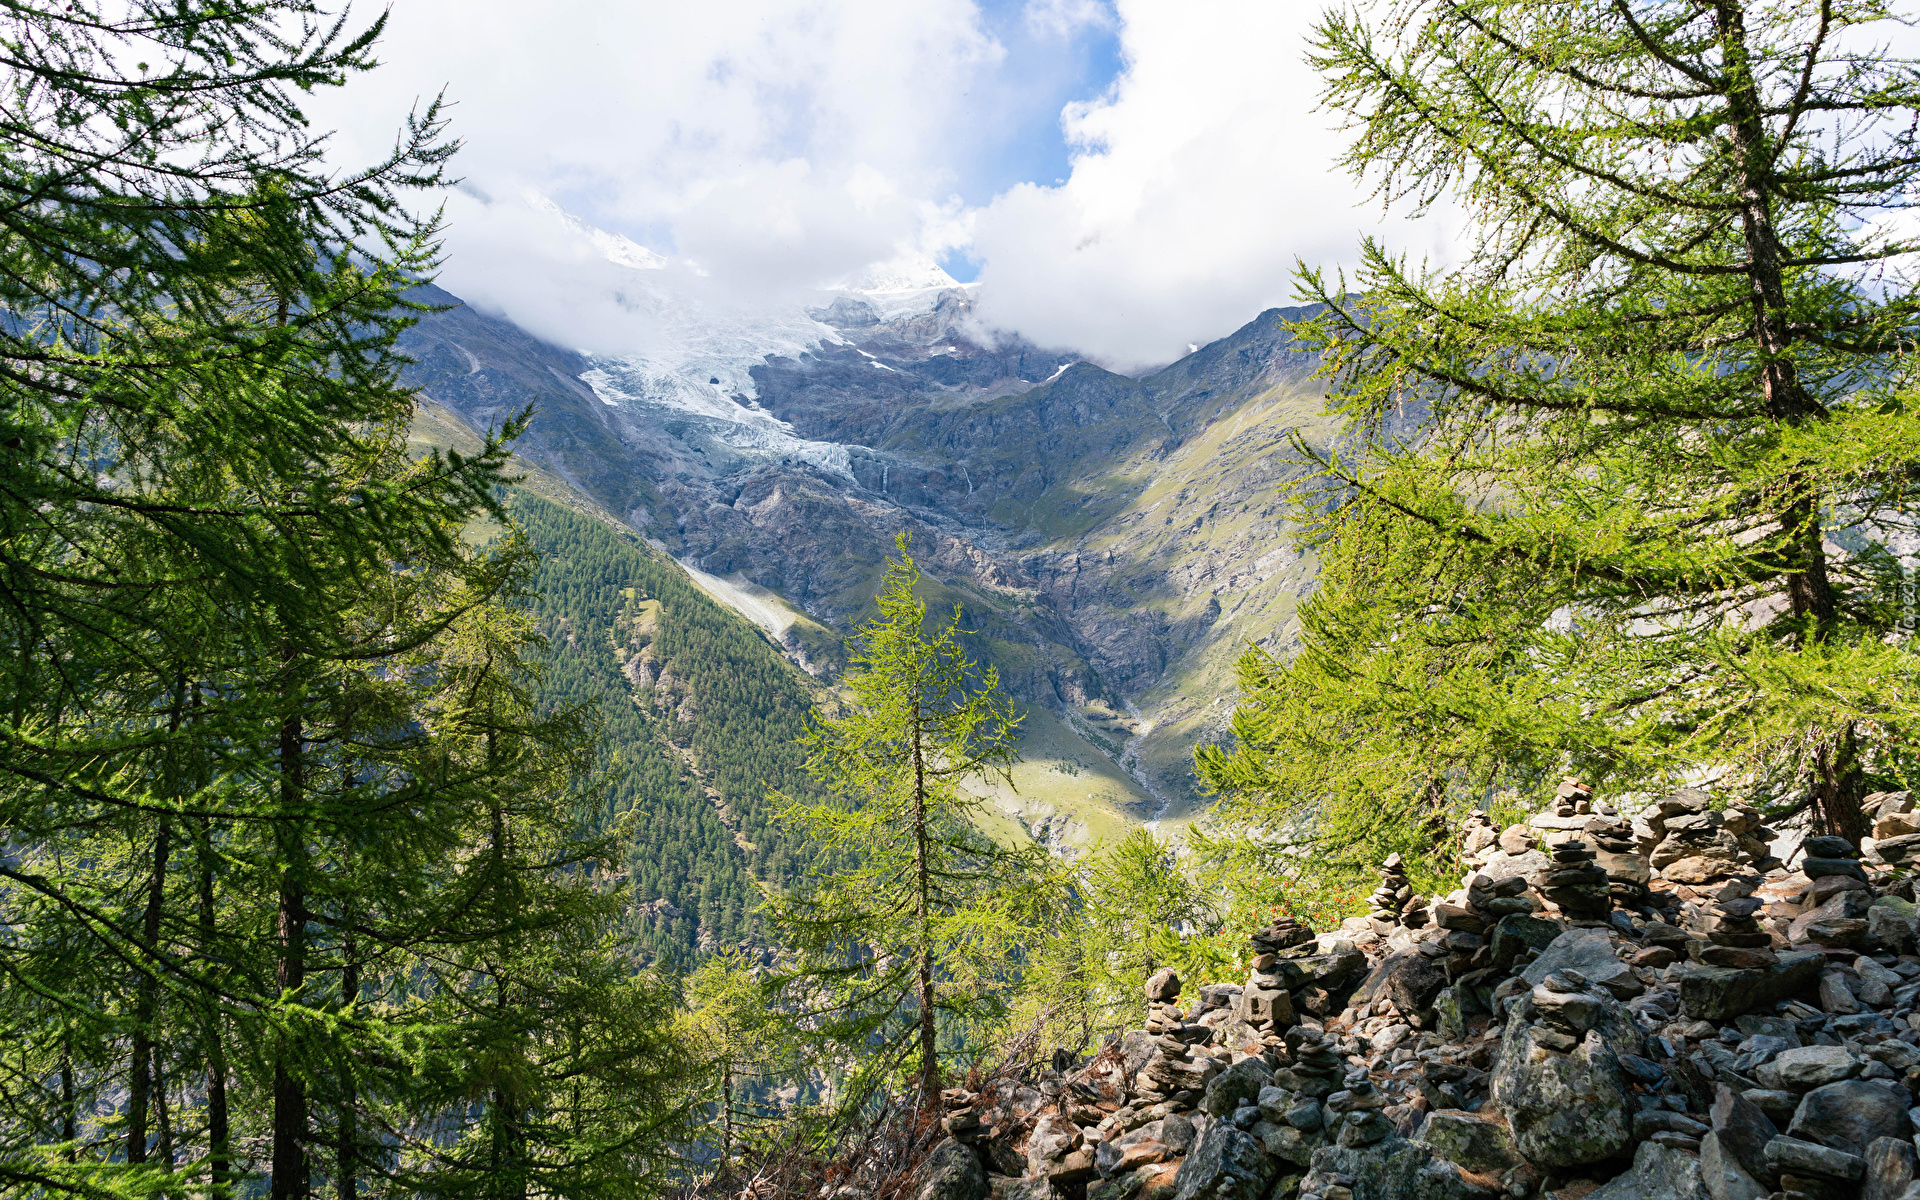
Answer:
x=1115 y=542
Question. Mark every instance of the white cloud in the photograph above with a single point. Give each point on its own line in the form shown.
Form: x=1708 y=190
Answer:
x=774 y=144
x=1196 y=182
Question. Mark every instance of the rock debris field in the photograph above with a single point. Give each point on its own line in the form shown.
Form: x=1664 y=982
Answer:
x=1607 y=1009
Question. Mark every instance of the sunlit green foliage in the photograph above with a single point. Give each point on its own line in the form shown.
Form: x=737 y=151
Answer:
x=1616 y=490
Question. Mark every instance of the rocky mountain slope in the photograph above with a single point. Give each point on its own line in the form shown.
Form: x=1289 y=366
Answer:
x=1685 y=1007
x=1113 y=542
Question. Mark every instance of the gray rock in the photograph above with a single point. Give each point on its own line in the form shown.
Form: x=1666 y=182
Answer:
x=1516 y=934
x=1793 y=1156
x=1053 y=1138
x=1163 y=985
x=1890 y=1169
x=1723 y=993
x=1742 y=1130
x=1240 y=1082
x=1476 y=1143
x=1225 y=1164
x=1136 y=1047
x=951 y=1172
x=1588 y=951
x=1263 y=1000
x=1287 y=1143
x=1319 y=970
x=1890 y=929
x=1392 y=1170
x=1850 y=1115
x=1412 y=980
x=1305 y=1114
x=1274 y=1102
x=1724 y=1177
x=1777 y=1105
x=1564 y=1110
x=1808 y=1068
x=1659 y=1173
x=1844 y=905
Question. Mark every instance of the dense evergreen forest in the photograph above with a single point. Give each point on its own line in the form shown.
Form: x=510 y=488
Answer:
x=700 y=714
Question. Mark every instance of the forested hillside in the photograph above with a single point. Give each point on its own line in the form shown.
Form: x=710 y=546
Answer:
x=700 y=714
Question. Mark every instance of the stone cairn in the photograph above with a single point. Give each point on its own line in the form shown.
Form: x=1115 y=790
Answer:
x=1266 y=1001
x=1576 y=884
x=1605 y=1007
x=1572 y=799
x=1393 y=898
x=1163 y=1002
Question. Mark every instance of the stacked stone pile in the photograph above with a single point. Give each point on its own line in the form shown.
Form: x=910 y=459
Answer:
x=1393 y=897
x=1576 y=884
x=1574 y=1021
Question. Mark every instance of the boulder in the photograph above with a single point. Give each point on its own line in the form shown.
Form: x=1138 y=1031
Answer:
x=1890 y=929
x=1723 y=1176
x=1163 y=986
x=1890 y=1169
x=1411 y=980
x=1722 y=993
x=1564 y=1110
x=1227 y=1163
x=1807 y=1068
x=950 y=1172
x=1468 y=1140
x=1852 y=903
x=1136 y=1047
x=1792 y=1156
x=1392 y=1170
x=1239 y=1083
x=1588 y=951
x=1851 y=1115
x=1053 y=1138
x=1741 y=1131
x=1287 y=1142
x=1518 y=933
x=1659 y=1173
x=1318 y=970
x=1263 y=1000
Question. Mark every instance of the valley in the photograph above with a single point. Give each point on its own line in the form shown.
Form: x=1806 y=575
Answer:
x=1112 y=543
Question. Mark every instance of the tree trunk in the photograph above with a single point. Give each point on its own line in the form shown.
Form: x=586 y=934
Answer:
x=69 y=1102
x=1809 y=590
x=289 y=1090
x=162 y=1116
x=139 y=1092
x=929 y=1060
x=218 y=1132
x=1839 y=786
x=349 y=1183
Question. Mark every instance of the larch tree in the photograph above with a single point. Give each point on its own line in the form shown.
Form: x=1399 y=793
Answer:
x=1621 y=488
x=915 y=918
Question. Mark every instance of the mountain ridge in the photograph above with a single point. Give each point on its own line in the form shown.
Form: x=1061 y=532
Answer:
x=1113 y=540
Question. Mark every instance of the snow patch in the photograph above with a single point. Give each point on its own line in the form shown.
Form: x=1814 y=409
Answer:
x=1059 y=371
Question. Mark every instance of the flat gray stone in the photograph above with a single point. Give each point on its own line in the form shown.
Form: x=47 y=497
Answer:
x=1807 y=1068
x=1791 y=1155
x=1468 y=1140
x=1851 y=1115
x=1588 y=951
x=1659 y=1173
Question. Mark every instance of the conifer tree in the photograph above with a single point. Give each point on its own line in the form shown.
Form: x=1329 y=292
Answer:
x=276 y=792
x=1618 y=488
x=915 y=918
